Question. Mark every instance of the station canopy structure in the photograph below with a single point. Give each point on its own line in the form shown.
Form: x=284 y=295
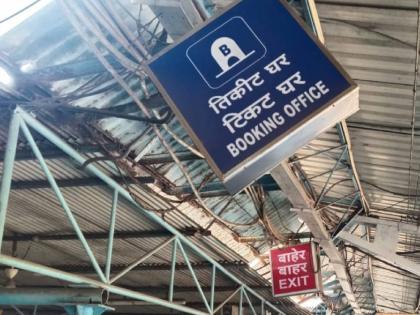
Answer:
x=107 y=206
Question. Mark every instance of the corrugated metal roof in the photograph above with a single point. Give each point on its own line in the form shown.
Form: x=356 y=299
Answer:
x=375 y=42
x=36 y=211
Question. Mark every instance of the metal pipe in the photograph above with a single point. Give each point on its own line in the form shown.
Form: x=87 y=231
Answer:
x=61 y=199
x=46 y=296
x=109 y=113
x=139 y=303
x=166 y=158
x=140 y=260
x=42 y=130
x=111 y=235
x=8 y=164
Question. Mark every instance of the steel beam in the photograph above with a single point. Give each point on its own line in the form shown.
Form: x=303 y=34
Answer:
x=381 y=252
x=188 y=231
x=6 y=179
x=111 y=234
x=61 y=199
x=162 y=289
x=78 y=182
x=298 y=197
x=288 y=236
x=218 y=188
x=115 y=268
x=400 y=226
x=296 y=194
x=49 y=296
x=27 y=121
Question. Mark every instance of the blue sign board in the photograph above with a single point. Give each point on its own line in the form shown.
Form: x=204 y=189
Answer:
x=246 y=79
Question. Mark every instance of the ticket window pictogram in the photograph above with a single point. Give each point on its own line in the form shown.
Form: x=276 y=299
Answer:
x=225 y=52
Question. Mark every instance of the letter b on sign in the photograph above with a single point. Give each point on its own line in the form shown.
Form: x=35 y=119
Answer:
x=225 y=52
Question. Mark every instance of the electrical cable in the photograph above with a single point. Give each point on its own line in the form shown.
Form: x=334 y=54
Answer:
x=110 y=7
x=138 y=23
x=118 y=167
x=20 y=11
x=96 y=31
x=179 y=140
x=103 y=18
x=73 y=19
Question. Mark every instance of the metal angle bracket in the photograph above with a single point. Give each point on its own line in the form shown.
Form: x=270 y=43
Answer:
x=385 y=243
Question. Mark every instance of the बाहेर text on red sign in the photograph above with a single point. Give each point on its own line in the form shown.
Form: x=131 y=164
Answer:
x=295 y=270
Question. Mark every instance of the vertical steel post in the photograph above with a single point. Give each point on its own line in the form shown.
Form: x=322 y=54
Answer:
x=241 y=300
x=213 y=284
x=197 y=283
x=262 y=307
x=249 y=302
x=61 y=199
x=111 y=235
x=173 y=270
x=8 y=163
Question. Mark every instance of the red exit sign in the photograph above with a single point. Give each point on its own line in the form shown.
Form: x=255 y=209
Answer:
x=295 y=270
